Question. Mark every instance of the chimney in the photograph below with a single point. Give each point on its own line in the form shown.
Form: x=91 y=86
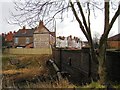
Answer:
x=41 y=23
x=14 y=32
x=10 y=32
x=3 y=34
x=23 y=27
x=35 y=28
x=24 y=30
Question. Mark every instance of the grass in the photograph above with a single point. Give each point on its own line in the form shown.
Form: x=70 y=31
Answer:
x=36 y=68
x=64 y=83
x=24 y=76
x=93 y=85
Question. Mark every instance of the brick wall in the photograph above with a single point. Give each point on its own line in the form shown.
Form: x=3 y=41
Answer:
x=114 y=44
x=22 y=40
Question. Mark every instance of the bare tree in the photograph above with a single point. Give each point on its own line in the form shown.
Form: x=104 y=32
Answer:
x=49 y=10
x=103 y=40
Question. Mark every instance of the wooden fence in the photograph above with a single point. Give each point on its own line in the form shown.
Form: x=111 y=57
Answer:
x=81 y=68
x=28 y=51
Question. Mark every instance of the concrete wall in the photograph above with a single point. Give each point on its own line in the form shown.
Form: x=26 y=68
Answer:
x=28 y=51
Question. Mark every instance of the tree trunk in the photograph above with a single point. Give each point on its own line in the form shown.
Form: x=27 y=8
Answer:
x=94 y=65
x=102 y=68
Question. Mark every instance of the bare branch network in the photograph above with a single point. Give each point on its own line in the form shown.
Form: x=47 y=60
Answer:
x=30 y=12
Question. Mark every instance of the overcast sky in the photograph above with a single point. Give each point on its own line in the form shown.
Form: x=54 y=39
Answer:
x=64 y=28
x=6 y=6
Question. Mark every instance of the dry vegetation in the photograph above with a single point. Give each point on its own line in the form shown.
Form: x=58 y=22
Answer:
x=35 y=74
x=27 y=71
x=56 y=84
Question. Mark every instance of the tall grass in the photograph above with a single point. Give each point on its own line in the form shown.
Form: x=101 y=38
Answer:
x=64 y=83
x=36 y=68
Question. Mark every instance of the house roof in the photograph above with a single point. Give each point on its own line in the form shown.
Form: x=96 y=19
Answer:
x=24 y=32
x=52 y=33
x=114 y=38
x=42 y=29
x=9 y=36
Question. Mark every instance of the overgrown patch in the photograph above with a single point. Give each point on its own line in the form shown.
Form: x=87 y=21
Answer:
x=12 y=72
x=36 y=74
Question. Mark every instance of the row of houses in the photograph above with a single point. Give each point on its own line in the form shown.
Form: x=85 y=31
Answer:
x=69 y=42
x=41 y=37
x=74 y=42
x=38 y=37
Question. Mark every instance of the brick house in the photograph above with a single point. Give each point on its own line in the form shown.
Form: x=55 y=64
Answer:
x=43 y=38
x=114 y=42
x=8 y=39
x=24 y=38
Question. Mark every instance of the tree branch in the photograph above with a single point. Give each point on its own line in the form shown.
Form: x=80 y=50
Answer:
x=113 y=19
x=105 y=35
x=82 y=14
x=89 y=29
x=106 y=16
x=103 y=38
x=84 y=21
x=79 y=21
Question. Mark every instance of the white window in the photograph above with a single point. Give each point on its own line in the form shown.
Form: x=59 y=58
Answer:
x=16 y=40
x=27 y=40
